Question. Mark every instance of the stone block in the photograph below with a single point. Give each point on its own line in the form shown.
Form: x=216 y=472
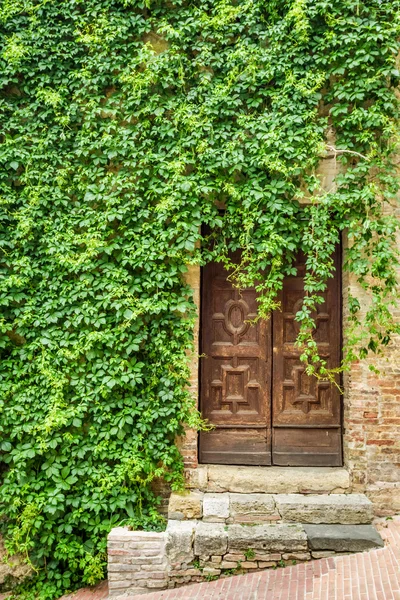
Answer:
x=185 y=506
x=120 y=534
x=252 y=508
x=141 y=546
x=296 y=556
x=267 y=557
x=234 y=556
x=215 y=508
x=147 y=536
x=334 y=508
x=145 y=560
x=216 y=559
x=211 y=572
x=155 y=566
x=271 y=538
x=266 y=564
x=248 y=564
x=192 y=572
x=150 y=575
x=121 y=568
x=116 y=585
x=227 y=564
x=179 y=540
x=343 y=538
x=155 y=583
x=118 y=553
x=271 y=480
x=210 y=539
x=323 y=554
x=197 y=478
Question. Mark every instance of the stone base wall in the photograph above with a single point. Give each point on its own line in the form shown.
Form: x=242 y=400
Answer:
x=194 y=551
x=141 y=562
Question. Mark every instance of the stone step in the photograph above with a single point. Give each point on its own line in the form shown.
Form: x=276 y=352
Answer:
x=343 y=538
x=268 y=480
x=344 y=509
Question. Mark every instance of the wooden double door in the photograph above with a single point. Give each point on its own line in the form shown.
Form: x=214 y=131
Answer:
x=254 y=390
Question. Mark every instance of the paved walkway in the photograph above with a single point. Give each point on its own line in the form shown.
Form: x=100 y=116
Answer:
x=373 y=575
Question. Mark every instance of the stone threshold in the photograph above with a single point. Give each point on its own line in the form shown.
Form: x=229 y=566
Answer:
x=269 y=480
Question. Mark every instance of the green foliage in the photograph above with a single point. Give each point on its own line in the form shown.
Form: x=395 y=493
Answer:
x=124 y=123
x=249 y=554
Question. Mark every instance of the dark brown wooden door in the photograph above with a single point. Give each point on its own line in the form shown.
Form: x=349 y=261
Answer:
x=253 y=386
x=306 y=411
x=235 y=374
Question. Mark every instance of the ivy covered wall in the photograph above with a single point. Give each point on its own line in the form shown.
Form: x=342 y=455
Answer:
x=123 y=125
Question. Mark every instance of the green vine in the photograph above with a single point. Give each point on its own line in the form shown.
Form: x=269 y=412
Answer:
x=124 y=126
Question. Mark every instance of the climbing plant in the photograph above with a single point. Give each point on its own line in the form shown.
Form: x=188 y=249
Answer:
x=125 y=126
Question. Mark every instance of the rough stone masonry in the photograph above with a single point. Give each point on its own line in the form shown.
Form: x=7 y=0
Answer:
x=219 y=534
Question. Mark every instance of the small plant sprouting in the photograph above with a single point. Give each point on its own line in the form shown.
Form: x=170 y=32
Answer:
x=249 y=554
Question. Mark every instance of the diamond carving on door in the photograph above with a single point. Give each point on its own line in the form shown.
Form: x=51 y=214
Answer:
x=254 y=389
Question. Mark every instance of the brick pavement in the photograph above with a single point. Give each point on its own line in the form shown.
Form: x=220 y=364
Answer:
x=98 y=592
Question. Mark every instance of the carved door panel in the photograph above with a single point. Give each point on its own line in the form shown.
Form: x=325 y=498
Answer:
x=306 y=412
x=239 y=397
x=235 y=374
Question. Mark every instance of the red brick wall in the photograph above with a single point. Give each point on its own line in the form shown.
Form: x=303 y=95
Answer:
x=188 y=445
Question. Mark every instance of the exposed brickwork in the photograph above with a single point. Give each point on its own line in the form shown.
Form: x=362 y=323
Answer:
x=372 y=429
x=136 y=561
x=98 y=592
x=188 y=445
x=372 y=420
